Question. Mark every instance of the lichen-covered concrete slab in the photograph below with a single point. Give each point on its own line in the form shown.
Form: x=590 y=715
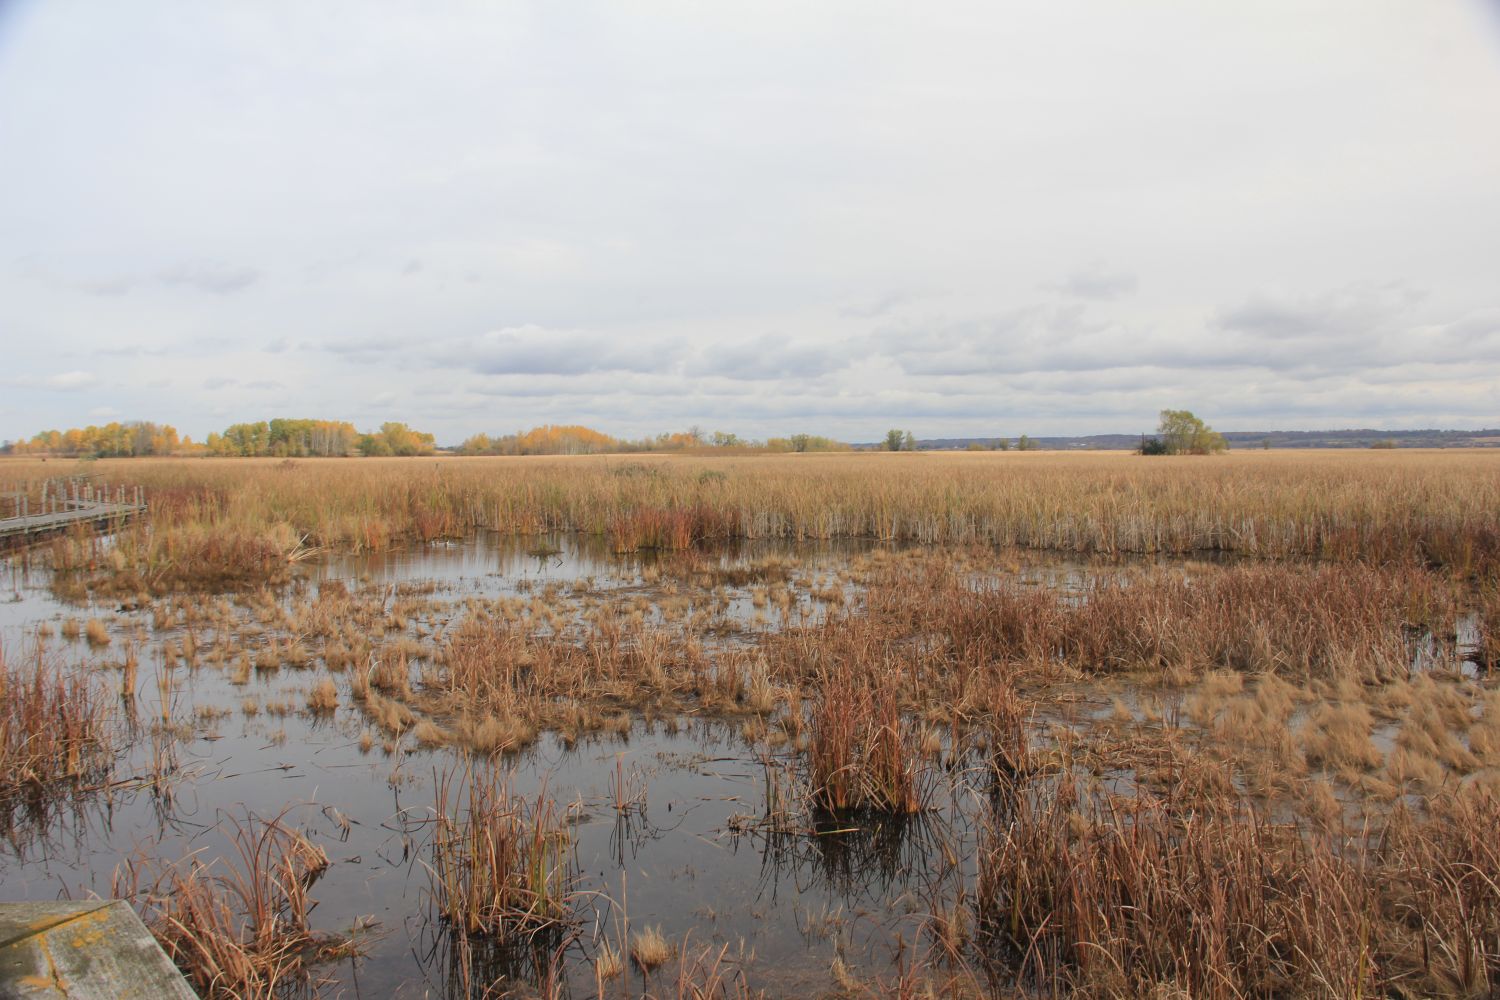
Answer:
x=83 y=951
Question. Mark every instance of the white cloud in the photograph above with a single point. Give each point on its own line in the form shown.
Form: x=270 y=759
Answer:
x=73 y=381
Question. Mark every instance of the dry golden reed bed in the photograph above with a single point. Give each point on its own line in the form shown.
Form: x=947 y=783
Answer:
x=1437 y=507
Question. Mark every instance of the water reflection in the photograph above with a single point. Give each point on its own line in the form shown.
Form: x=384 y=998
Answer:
x=457 y=966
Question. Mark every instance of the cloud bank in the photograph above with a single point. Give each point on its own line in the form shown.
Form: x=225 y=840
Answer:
x=759 y=218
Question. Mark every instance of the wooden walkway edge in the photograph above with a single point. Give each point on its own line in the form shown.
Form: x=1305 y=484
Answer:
x=61 y=508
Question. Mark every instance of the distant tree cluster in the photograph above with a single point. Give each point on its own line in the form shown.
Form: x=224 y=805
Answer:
x=1181 y=433
x=1022 y=443
x=280 y=438
x=284 y=438
x=805 y=442
x=396 y=439
x=569 y=439
x=899 y=440
x=573 y=439
x=112 y=440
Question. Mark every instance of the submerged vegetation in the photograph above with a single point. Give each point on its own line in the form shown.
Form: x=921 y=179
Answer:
x=1070 y=725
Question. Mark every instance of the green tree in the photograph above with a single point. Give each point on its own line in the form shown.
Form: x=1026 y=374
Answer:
x=1184 y=434
x=894 y=439
x=1003 y=444
x=1151 y=446
x=374 y=445
x=1024 y=443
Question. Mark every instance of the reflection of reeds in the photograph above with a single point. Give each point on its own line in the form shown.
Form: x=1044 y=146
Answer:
x=483 y=968
x=627 y=789
x=501 y=864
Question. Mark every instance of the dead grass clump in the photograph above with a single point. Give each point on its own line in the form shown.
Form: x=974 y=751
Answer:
x=1005 y=727
x=501 y=864
x=1484 y=735
x=390 y=674
x=1337 y=735
x=649 y=948
x=237 y=926
x=429 y=734
x=1212 y=695
x=1124 y=898
x=1414 y=767
x=863 y=751
x=495 y=734
x=96 y=632
x=323 y=698
x=393 y=717
x=1440 y=881
x=53 y=730
x=1425 y=734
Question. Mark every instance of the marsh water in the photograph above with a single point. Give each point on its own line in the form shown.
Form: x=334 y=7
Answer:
x=667 y=813
x=202 y=754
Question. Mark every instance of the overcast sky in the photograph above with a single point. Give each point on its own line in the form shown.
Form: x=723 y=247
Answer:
x=1057 y=216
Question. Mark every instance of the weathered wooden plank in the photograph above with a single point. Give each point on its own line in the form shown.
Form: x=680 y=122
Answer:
x=83 y=951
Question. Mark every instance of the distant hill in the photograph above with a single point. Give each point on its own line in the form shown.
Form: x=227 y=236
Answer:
x=1354 y=438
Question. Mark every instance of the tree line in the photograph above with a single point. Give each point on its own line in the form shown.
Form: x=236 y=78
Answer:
x=1178 y=433
x=299 y=438
x=574 y=439
x=280 y=438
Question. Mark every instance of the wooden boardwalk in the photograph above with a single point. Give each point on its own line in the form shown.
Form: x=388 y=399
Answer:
x=60 y=508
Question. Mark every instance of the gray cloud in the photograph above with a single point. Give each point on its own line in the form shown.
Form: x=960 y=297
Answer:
x=131 y=351
x=209 y=276
x=768 y=357
x=876 y=307
x=1096 y=281
x=536 y=350
x=1351 y=311
x=107 y=287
